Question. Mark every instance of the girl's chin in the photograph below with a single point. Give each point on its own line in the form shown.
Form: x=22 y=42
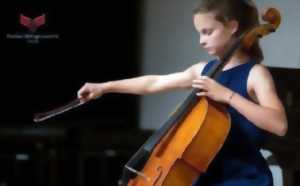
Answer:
x=213 y=53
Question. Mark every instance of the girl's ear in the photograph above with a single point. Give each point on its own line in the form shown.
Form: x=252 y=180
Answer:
x=233 y=25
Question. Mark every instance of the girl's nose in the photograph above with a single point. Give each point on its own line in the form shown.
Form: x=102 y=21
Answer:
x=202 y=41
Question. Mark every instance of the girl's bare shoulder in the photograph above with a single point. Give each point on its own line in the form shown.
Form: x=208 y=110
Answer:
x=196 y=69
x=260 y=76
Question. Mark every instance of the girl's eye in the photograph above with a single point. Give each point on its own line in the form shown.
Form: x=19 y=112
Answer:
x=207 y=31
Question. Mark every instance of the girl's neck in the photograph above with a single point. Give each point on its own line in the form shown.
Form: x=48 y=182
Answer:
x=237 y=59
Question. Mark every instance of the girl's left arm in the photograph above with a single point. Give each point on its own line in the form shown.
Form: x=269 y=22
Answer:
x=268 y=113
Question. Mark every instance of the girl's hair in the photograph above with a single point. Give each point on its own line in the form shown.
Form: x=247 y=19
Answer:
x=243 y=11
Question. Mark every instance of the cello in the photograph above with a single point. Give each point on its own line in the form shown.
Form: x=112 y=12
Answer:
x=183 y=148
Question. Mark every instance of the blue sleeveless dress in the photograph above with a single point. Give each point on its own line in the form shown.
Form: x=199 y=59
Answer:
x=239 y=162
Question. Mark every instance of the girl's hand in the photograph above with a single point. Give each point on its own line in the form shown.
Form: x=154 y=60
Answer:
x=212 y=89
x=90 y=91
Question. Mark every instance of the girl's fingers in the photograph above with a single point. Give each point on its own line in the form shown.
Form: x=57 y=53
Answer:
x=81 y=93
x=198 y=86
x=198 y=81
x=201 y=93
x=202 y=80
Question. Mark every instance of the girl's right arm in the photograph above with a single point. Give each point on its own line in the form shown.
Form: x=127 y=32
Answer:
x=142 y=85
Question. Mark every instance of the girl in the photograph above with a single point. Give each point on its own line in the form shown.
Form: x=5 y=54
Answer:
x=244 y=85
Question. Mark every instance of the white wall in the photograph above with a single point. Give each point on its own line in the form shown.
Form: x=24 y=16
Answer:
x=282 y=48
x=169 y=44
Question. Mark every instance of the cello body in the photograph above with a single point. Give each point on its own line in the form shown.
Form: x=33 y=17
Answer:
x=188 y=148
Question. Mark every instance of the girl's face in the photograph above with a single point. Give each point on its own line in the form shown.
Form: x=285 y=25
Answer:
x=215 y=36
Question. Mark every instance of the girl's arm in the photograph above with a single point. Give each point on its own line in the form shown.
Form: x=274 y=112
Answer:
x=142 y=85
x=267 y=114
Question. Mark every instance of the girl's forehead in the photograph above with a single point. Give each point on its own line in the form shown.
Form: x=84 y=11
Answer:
x=203 y=20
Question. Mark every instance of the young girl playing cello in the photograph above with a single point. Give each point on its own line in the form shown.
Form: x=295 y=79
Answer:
x=245 y=85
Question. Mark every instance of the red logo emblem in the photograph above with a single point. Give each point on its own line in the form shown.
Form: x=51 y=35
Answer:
x=32 y=23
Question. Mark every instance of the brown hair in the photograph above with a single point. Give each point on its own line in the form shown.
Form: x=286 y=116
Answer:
x=243 y=11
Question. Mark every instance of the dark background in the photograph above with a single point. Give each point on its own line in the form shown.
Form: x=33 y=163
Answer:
x=98 y=41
